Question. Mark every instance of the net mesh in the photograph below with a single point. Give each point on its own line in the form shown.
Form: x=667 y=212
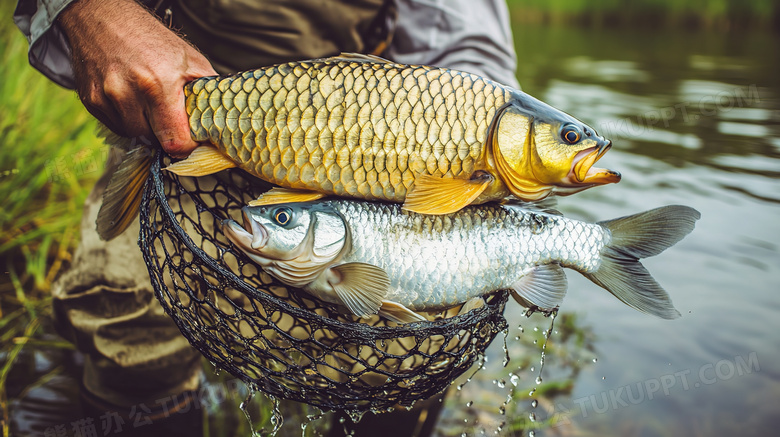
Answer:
x=282 y=340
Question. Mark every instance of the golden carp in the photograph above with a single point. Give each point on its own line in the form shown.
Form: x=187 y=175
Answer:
x=360 y=126
x=371 y=257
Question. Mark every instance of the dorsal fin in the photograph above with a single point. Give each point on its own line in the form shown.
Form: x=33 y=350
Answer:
x=358 y=57
x=279 y=195
x=547 y=205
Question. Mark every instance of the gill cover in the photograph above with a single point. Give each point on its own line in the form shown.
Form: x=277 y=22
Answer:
x=515 y=155
x=292 y=249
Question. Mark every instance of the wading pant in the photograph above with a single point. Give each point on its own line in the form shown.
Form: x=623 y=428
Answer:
x=106 y=306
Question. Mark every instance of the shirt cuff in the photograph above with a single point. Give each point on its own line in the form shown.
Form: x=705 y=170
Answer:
x=49 y=50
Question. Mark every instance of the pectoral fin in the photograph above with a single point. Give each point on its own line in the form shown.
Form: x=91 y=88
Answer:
x=398 y=313
x=279 y=195
x=361 y=287
x=443 y=195
x=204 y=160
x=543 y=286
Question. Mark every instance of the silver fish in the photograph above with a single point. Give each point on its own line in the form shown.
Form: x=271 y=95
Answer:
x=377 y=258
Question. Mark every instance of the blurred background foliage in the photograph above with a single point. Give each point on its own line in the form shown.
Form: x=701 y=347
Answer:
x=49 y=160
x=716 y=14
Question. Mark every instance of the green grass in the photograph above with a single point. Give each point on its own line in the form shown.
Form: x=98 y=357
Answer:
x=49 y=160
x=48 y=157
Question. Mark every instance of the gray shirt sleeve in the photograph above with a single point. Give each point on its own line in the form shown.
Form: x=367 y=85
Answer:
x=49 y=51
x=468 y=35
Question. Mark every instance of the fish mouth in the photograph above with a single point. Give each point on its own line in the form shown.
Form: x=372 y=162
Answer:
x=251 y=237
x=583 y=173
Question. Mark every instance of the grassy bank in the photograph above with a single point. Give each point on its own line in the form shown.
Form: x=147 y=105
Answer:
x=48 y=163
x=718 y=14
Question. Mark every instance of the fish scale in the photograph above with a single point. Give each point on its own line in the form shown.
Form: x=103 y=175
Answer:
x=495 y=246
x=347 y=128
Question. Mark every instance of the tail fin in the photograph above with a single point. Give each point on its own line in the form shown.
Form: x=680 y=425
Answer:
x=122 y=197
x=640 y=236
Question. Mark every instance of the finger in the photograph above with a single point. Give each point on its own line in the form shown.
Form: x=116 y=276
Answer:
x=170 y=123
x=98 y=104
x=127 y=103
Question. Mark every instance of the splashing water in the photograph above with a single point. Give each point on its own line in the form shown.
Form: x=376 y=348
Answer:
x=506 y=349
x=277 y=420
x=244 y=406
x=311 y=418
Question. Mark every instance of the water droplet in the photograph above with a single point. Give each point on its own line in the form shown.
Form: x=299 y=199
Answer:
x=531 y=433
x=595 y=359
x=536 y=329
x=469 y=403
x=534 y=403
x=502 y=410
x=355 y=415
x=277 y=420
x=514 y=379
x=532 y=368
x=538 y=380
x=517 y=338
x=603 y=378
x=502 y=383
x=532 y=417
x=506 y=349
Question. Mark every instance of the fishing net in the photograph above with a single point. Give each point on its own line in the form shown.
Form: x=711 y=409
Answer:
x=280 y=340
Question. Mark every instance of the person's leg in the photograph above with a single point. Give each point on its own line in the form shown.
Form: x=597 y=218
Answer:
x=105 y=305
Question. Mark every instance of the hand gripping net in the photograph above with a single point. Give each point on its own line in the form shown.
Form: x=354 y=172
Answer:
x=282 y=340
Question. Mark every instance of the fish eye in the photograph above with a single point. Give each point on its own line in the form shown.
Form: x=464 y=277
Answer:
x=571 y=133
x=283 y=216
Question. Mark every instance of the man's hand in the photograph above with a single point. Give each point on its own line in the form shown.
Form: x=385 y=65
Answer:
x=130 y=70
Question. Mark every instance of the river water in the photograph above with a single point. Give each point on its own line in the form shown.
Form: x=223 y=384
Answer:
x=695 y=119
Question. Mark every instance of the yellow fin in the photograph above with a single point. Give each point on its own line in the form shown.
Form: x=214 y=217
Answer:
x=279 y=195
x=443 y=195
x=398 y=313
x=361 y=288
x=122 y=196
x=204 y=160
